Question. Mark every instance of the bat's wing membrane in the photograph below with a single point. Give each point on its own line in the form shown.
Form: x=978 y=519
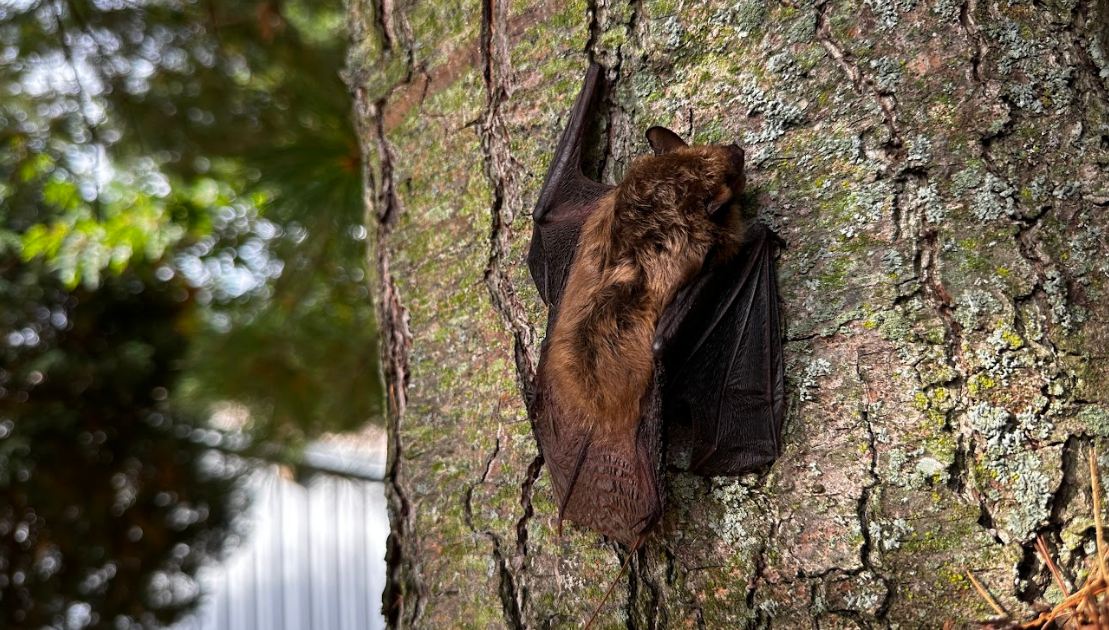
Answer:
x=565 y=201
x=721 y=348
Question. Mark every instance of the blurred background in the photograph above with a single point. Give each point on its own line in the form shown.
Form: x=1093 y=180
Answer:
x=189 y=384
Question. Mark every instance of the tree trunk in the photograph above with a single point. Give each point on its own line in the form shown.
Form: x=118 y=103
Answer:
x=939 y=173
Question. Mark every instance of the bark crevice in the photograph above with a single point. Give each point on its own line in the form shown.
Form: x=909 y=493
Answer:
x=864 y=84
x=503 y=173
x=863 y=507
x=403 y=590
x=511 y=598
x=1081 y=17
x=974 y=37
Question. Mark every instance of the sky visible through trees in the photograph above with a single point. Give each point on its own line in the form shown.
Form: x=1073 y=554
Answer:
x=180 y=191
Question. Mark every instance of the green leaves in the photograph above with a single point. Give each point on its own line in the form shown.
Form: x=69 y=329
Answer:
x=62 y=195
x=35 y=167
x=43 y=240
x=80 y=246
x=306 y=364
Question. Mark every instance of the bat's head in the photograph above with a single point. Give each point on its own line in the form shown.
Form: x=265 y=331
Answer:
x=720 y=166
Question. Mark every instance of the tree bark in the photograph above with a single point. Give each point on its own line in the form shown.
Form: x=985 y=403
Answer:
x=939 y=172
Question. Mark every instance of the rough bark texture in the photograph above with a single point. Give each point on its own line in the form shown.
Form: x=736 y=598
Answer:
x=939 y=171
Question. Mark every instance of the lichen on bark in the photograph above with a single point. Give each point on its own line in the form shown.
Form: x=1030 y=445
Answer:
x=938 y=170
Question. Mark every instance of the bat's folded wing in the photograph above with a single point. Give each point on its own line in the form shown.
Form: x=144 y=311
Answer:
x=722 y=356
x=610 y=486
x=565 y=201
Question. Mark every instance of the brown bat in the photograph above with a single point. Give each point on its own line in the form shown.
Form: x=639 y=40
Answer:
x=663 y=308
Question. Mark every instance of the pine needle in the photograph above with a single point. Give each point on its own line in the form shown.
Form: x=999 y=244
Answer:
x=986 y=595
x=631 y=554
x=1041 y=548
x=1099 y=529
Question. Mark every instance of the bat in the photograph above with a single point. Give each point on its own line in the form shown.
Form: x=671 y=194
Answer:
x=662 y=310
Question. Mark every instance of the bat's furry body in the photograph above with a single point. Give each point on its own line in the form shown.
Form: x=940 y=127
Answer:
x=647 y=238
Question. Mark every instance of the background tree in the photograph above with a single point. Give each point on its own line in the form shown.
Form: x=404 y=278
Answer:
x=109 y=498
x=939 y=172
x=180 y=196
x=214 y=139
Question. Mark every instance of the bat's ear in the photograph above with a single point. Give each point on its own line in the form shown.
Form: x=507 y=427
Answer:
x=735 y=157
x=663 y=140
x=737 y=180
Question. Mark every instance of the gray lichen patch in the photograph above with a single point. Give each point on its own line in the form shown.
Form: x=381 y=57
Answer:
x=864 y=593
x=1016 y=479
x=888 y=12
x=777 y=115
x=1036 y=81
x=1094 y=420
x=739 y=519
x=726 y=518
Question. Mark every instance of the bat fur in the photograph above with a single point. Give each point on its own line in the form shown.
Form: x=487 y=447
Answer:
x=647 y=238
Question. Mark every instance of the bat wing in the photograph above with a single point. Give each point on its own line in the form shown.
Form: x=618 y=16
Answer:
x=721 y=348
x=609 y=486
x=565 y=201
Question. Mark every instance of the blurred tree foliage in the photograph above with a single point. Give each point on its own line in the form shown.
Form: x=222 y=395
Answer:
x=213 y=137
x=180 y=220
x=109 y=498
